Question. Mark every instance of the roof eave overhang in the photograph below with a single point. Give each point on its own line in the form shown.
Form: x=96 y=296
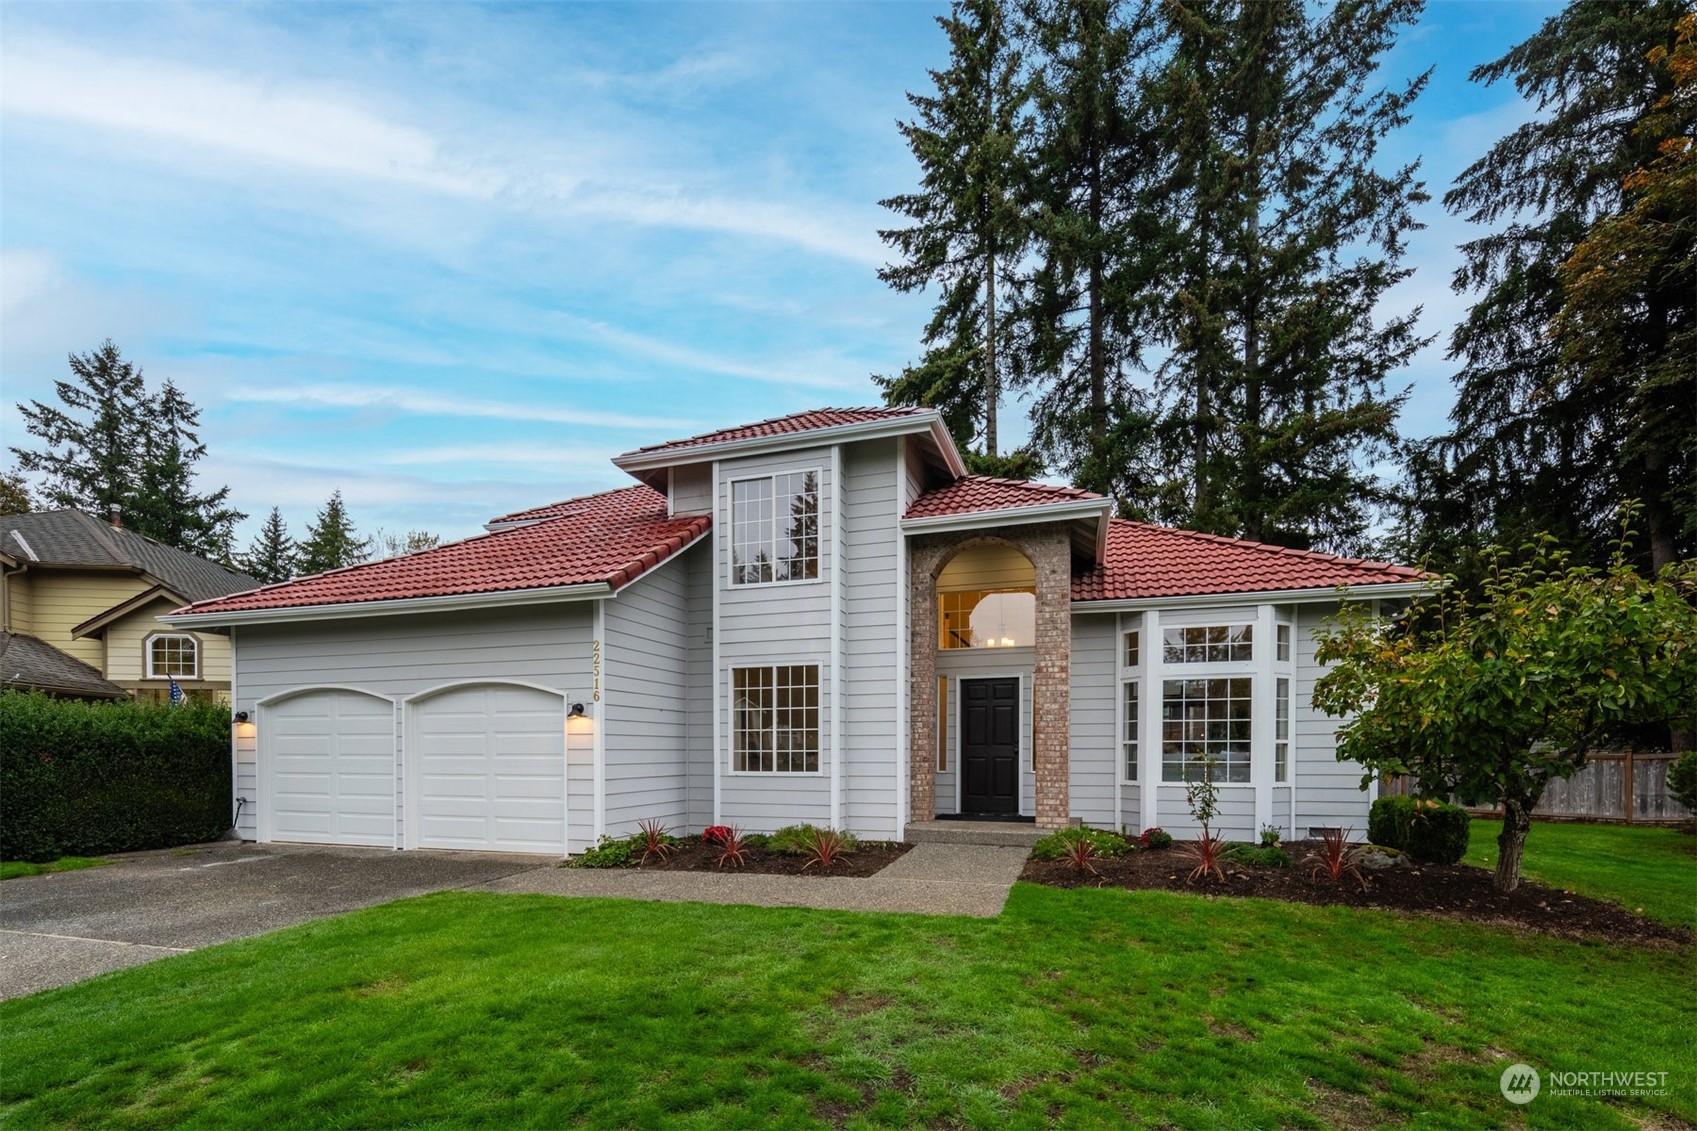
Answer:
x=639 y=463
x=1312 y=596
x=1070 y=511
x=350 y=610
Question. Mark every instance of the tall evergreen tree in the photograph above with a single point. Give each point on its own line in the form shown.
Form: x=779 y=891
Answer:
x=272 y=555
x=968 y=231
x=1286 y=234
x=15 y=495
x=166 y=506
x=330 y=540
x=1549 y=432
x=1094 y=240
x=95 y=443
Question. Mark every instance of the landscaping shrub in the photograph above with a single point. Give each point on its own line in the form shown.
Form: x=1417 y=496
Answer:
x=1388 y=821
x=1259 y=856
x=1439 y=832
x=798 y=840
x=87 y=779
x=715 y=834
x=1156 y=837
x=1058 y=845
x=622 y=852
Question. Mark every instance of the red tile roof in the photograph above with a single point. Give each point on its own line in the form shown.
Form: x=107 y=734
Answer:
x=612 y=537
x=797 y=422
x=1146 y=561
x=973 y=493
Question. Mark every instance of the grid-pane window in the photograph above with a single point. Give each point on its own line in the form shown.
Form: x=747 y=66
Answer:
x=1000 y=618
x=1206 y=719
x=177 y=656
x=775 y=528
x=1131 y=720
x=1133 y=651
x=775 y=718
x=1283 y=634
x=1208 y=644
x=1281 y=732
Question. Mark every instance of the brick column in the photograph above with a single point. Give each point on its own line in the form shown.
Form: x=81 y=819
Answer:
x=1049 y=548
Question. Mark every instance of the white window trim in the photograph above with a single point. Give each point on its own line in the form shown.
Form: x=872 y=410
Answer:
x=1128 y=675
x=731 y=581
x=730 y=763
x=1240 y=667
x=147 y=654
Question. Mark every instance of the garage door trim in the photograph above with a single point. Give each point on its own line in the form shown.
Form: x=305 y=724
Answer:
x=264 y=754
x=410 y=760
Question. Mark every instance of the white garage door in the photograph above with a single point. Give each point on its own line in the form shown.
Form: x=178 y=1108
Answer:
x=332 y=778
x=490 y=769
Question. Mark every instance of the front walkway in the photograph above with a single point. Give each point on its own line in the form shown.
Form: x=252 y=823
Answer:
x=931 y=879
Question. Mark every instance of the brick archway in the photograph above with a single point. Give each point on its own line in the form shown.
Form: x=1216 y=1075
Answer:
x=1048 y=546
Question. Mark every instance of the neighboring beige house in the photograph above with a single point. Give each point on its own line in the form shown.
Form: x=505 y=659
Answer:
x=78 y=602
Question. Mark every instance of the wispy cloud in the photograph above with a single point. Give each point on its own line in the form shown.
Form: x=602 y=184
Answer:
x=423 y=403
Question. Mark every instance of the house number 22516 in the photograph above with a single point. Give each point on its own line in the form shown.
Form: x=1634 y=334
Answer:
x=595 y=670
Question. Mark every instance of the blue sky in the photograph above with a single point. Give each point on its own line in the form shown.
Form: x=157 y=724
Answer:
x=451 y=259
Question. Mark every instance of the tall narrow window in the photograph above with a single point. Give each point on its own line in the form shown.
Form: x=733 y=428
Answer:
x=1131 y=720
x=943 y=724
x=1281 y=732
x=1133 y=653
x=775 y=718
x=775 y=528
x=1284 y=641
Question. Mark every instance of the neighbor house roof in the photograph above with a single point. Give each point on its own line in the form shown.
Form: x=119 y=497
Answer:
x=28 y=663
x=608 y=540
x=1145 y=562
x=972 y=494
x=72 y=538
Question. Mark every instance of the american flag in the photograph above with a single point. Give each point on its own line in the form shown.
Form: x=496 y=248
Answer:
x=177 y=696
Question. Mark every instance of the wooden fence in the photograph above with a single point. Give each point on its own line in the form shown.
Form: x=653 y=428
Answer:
x=1627 y=786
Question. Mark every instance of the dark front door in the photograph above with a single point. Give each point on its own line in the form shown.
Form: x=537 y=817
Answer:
x=989 y=749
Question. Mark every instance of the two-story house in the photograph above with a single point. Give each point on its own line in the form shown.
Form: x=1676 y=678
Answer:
x=816 y=618
x=79 y=602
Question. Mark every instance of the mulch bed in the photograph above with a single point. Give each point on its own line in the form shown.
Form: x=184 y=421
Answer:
x=1458 y=891
x=693 y=856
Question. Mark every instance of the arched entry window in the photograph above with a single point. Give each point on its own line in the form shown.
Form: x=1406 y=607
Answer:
x=987 y=598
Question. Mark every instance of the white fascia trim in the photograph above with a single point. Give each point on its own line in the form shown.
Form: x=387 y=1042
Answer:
x=1009 y=516
x=1271 y=596
x=637 y=462
x=351 y=609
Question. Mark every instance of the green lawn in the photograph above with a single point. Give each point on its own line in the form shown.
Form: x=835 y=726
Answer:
x=1088 y=1009
x=12 y=869
x=1650 y=869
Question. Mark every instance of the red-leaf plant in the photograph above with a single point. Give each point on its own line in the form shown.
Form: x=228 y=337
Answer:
x=731 y=847
x=715 y=834
x=656 y=841
x=826 y=847
x=1336 y=859
x=1081 y=856
x=1206 y=852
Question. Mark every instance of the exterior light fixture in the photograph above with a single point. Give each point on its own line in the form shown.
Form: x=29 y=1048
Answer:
x=241 y=716
x=576 y=711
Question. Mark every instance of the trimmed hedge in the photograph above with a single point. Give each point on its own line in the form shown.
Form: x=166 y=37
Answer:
x=85 y=779
x=1429 y=830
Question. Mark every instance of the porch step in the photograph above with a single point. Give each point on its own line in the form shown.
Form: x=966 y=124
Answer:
x=1004 y=834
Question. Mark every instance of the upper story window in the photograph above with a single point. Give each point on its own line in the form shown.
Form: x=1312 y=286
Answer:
x=1004 y=619
x=1208 y=644
x=172 y=655
x=775 y=528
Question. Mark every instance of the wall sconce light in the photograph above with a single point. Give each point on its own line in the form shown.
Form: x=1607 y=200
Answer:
x=576 y=711
x=241 y=716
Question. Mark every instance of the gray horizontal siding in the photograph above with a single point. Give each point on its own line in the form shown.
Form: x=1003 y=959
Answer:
x=645 y=699
x=1328 y=792
x=1236 y=819
x=1092 y=722
x=871 y=596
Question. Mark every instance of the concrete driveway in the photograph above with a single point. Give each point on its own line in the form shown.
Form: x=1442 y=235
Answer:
x=61 y=928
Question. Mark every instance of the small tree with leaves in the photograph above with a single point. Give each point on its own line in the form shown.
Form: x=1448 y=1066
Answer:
x=14 y=493
x=330 y=540
x=1492 y=700
x=272 y=555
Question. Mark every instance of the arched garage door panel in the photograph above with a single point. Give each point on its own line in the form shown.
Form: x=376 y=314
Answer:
x=490 y=765
x=332 y=777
